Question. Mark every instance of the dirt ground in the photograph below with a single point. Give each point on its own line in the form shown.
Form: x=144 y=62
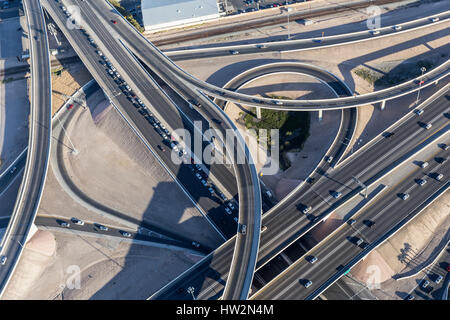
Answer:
x=62 y=266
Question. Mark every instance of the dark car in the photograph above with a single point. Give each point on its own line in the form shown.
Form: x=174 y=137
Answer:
x=160 y=147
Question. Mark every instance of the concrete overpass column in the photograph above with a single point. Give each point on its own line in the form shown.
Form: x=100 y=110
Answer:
x=33 y=230
x=383 y=104
x=258 y=113
x=320 y=115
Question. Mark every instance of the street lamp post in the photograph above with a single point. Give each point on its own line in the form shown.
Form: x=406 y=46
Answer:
x=289 y=32
x=74 y=151
x=191 y=291
x=423 y=69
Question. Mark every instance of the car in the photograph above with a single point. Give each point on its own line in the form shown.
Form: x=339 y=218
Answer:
x=336 y=194
x=351 y=221
x=13 y=169
x=307 y=283
x=196 y=244
x=227 y=210
x=418 y=111
x=388 y=134
x=99 y=53
x=160 y=147
x=443 y=146
x=114 y=21
x=244 y=229
x=306 y=209
x=438 y=278
x=263 y=228
x=358 y=241
x=397 y=28
x=427 y=125
x=3 y=259
x=234 y=52
x=69 y=106
x=125 y=234
x=421 y=182
x=423 y=164
x=434 y=19
x=235 y=219
x=440 y=159
x=216 y=121
x=311 y=259
x=222 y=196
x=102 y=227
x=438 y=176
x=277 y=102
x=425 y=283
x=78 y=221
x=409 y=297
x=374 y=32
x=369 y=223
x=65 y=224
x=204 y=183
x=404 y=196
x=91 y=40
x=198 y=176
x=231 y=205
x=329 y=159
x=211 y=190
x=260 y=46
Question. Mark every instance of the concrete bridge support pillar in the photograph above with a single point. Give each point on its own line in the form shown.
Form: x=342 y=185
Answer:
x=383 y=104
x=33 y=230
x=258 y=113
x=320 y=115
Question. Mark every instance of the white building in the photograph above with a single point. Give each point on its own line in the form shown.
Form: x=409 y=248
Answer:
x=167 y=14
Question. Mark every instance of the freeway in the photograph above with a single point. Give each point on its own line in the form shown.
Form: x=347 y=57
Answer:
x=154 y=98
x=308 y=43
x=338 y=251
x=141 y=44
x=248 y=184
x=285 y=223
x=10 y=174
x=32 y=185
x=348 y=117
x=246 y=247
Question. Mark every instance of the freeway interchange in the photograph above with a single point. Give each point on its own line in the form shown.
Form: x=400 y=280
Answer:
x=165 y=94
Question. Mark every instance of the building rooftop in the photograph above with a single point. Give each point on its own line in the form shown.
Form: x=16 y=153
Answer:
x=160 y=12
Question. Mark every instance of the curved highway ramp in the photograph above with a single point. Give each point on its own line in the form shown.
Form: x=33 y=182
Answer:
x=30 y=191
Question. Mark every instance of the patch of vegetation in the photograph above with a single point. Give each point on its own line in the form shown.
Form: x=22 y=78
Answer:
x=293 y=126
x=127 y=15
x=395 y=76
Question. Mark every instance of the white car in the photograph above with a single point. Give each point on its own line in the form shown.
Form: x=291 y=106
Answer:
x=227 y=210
x=204 y=183
x=211 y=190
x=125 y=234
x=78 y=221
x=404 y=196
x=198 y=176
x=418 y=111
